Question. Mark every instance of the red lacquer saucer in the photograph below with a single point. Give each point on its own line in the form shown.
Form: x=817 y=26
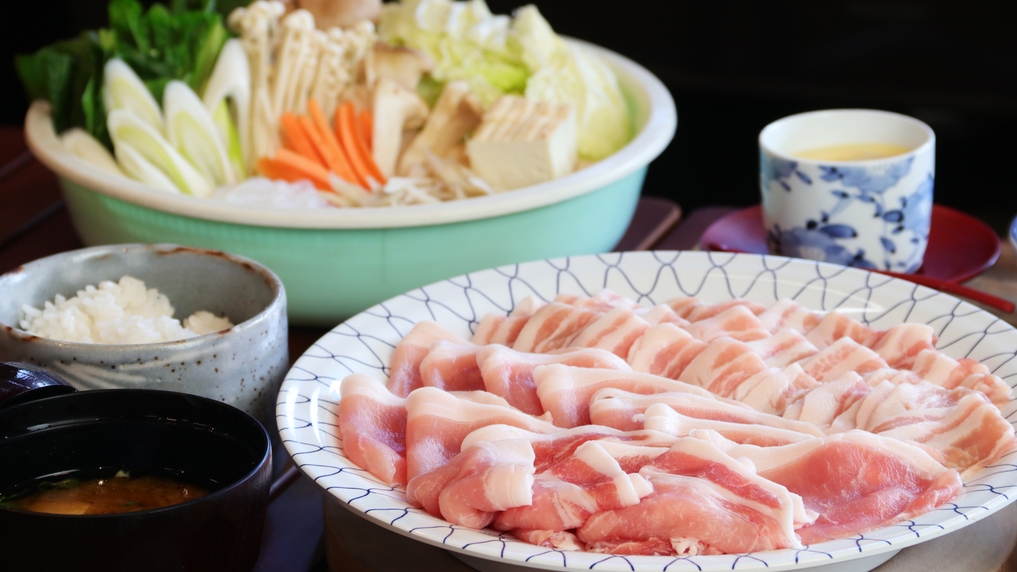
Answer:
x=960 y=245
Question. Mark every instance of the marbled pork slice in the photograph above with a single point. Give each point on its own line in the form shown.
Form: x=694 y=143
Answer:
x=404 y=367
x=773 y=389
x=844 y=355
x=565 y=391
x=372 y=423
x=737 y=322
x=552 y=327
x=478 y=483
x=971 y=435
x=900 y=344
x=830 y=403
x=724 y=506
x=664 y=349
x=452 y=367
x=614 y=331
x=438 y=421
x=854 y=481
x=624 y=410
x=783 y=348
x=509 y=373
x=789 y=315
x=568 y=492
x=722 y=366
x=834 y=326
x=940 y=369
x=706 y=310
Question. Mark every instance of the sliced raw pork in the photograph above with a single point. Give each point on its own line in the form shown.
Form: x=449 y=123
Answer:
x=372 y=423
x=509 y=373
x=724 y=506
x=854 y=481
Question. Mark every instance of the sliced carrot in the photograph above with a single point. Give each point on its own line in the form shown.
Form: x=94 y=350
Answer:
x=292 y=166
x=333 y=147
x=346 y=125
x=366 y=123
x=296 y=139
x=334 y=161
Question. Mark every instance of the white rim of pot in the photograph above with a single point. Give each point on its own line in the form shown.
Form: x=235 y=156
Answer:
x=648 y=143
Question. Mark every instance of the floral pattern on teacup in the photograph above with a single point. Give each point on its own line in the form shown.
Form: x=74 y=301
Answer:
x=855 y=191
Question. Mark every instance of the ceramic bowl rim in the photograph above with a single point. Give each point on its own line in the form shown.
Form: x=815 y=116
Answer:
x=264 y=459
x=775 y=125
x=276 y=306
x=648 y=143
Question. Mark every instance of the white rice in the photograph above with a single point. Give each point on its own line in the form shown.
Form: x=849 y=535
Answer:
x=116 y=313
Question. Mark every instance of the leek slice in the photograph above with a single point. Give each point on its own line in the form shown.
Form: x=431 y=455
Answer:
x=137 y=167
x=83 y=145
x=191 y=131
x=123 y=89
x=126 y=127
x=231 y=82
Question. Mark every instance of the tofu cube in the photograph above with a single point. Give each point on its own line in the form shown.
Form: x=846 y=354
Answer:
x=522 y=142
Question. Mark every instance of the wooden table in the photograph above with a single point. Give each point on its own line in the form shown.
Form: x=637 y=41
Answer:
x=34 y=223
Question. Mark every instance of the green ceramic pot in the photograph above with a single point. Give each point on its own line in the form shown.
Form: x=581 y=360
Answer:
x=338 y=262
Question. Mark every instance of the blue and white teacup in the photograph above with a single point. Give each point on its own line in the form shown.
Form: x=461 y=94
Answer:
x=848 y=186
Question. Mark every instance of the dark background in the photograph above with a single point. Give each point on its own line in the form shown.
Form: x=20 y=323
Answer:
x=735 y=65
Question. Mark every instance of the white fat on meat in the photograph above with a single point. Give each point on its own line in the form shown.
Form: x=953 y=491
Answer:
x=662 y=418
x=623 y=410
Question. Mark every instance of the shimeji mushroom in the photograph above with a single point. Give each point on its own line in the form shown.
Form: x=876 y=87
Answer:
x=456 y=113
x=395 y=108
x=256 y=25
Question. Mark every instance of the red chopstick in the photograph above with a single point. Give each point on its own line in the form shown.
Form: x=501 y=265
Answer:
x=936 y=283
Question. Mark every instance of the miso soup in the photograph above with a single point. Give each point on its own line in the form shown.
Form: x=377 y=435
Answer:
x=117 y=493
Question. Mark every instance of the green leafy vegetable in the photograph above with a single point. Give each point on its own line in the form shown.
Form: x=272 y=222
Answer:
x=68 y=74
x=161 y=44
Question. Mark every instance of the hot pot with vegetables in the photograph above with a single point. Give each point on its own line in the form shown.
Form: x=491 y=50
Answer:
x=436 y=100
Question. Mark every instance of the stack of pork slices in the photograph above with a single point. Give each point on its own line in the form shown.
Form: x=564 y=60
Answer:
x=594 y=423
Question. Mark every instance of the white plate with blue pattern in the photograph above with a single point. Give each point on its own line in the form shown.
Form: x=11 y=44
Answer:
x=308 y=399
